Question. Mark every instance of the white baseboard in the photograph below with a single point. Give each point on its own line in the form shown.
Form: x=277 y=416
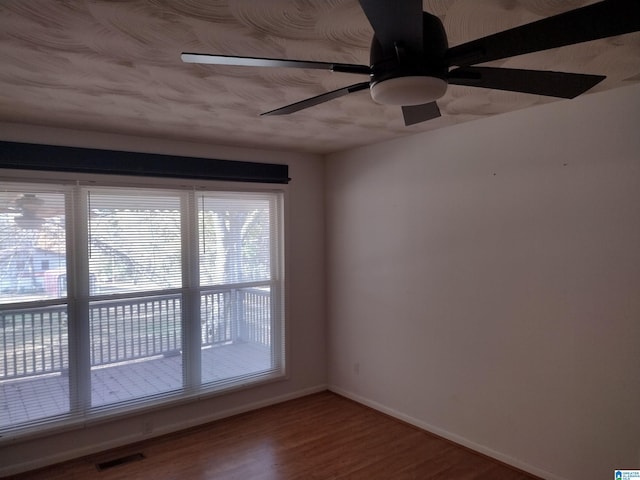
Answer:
x=163 y=430
x=514 y=462
x=160 y=430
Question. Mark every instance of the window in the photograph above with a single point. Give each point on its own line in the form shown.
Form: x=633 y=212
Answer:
x=117 y=298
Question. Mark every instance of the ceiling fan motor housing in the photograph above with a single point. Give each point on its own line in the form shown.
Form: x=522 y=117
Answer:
x=404 y=77
x=412 y=66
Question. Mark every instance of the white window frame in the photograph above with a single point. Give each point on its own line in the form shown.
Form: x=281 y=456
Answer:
x=81 y=412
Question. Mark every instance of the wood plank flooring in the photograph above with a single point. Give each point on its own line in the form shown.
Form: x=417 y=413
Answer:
x=321 y=436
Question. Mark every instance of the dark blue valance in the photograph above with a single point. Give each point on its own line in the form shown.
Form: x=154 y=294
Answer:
x=89 y=160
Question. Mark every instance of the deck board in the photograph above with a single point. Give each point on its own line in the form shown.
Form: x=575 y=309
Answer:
x=31 y=398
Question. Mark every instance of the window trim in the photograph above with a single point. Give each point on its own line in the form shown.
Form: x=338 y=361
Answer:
x=95 y=415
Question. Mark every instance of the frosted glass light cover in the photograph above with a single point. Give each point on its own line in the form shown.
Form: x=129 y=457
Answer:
x=414 y=90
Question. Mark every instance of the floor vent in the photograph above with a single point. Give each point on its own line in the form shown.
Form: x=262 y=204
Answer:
x=119 y=461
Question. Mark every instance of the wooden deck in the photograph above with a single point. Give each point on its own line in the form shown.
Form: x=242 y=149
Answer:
x=31 y=398
x=321 y=436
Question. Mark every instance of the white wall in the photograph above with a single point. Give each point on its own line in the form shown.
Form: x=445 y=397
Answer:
x=306 y=318
x=484 y=283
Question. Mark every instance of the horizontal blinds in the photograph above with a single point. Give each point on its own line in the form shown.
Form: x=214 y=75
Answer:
x=235 y=244
x=134 y=240
x=236 y=283
x=143 y=336
x=32 y=243
x=34 y=331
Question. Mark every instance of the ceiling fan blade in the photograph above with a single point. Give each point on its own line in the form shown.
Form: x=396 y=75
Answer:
x=552 y=84
x=599 y=20
x=396 y=23
x=324 y=97
x=420 y=113
x=272 y=62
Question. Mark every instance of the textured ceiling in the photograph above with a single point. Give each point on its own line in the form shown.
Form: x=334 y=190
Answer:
x=114 y=66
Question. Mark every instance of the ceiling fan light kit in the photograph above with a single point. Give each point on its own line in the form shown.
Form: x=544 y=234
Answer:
x=411 y=64
x=407 y=91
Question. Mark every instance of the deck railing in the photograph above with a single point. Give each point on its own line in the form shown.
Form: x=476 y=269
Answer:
x=123 y=330
x=35 y=341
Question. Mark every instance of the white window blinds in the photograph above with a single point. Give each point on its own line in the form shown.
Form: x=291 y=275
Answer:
x=134 y=240
x=114 y=298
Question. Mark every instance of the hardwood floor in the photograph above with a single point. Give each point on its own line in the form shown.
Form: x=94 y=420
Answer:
x=321 y=436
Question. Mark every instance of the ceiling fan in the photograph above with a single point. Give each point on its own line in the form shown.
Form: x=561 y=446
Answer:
x=30 y=211
x=411 y=64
